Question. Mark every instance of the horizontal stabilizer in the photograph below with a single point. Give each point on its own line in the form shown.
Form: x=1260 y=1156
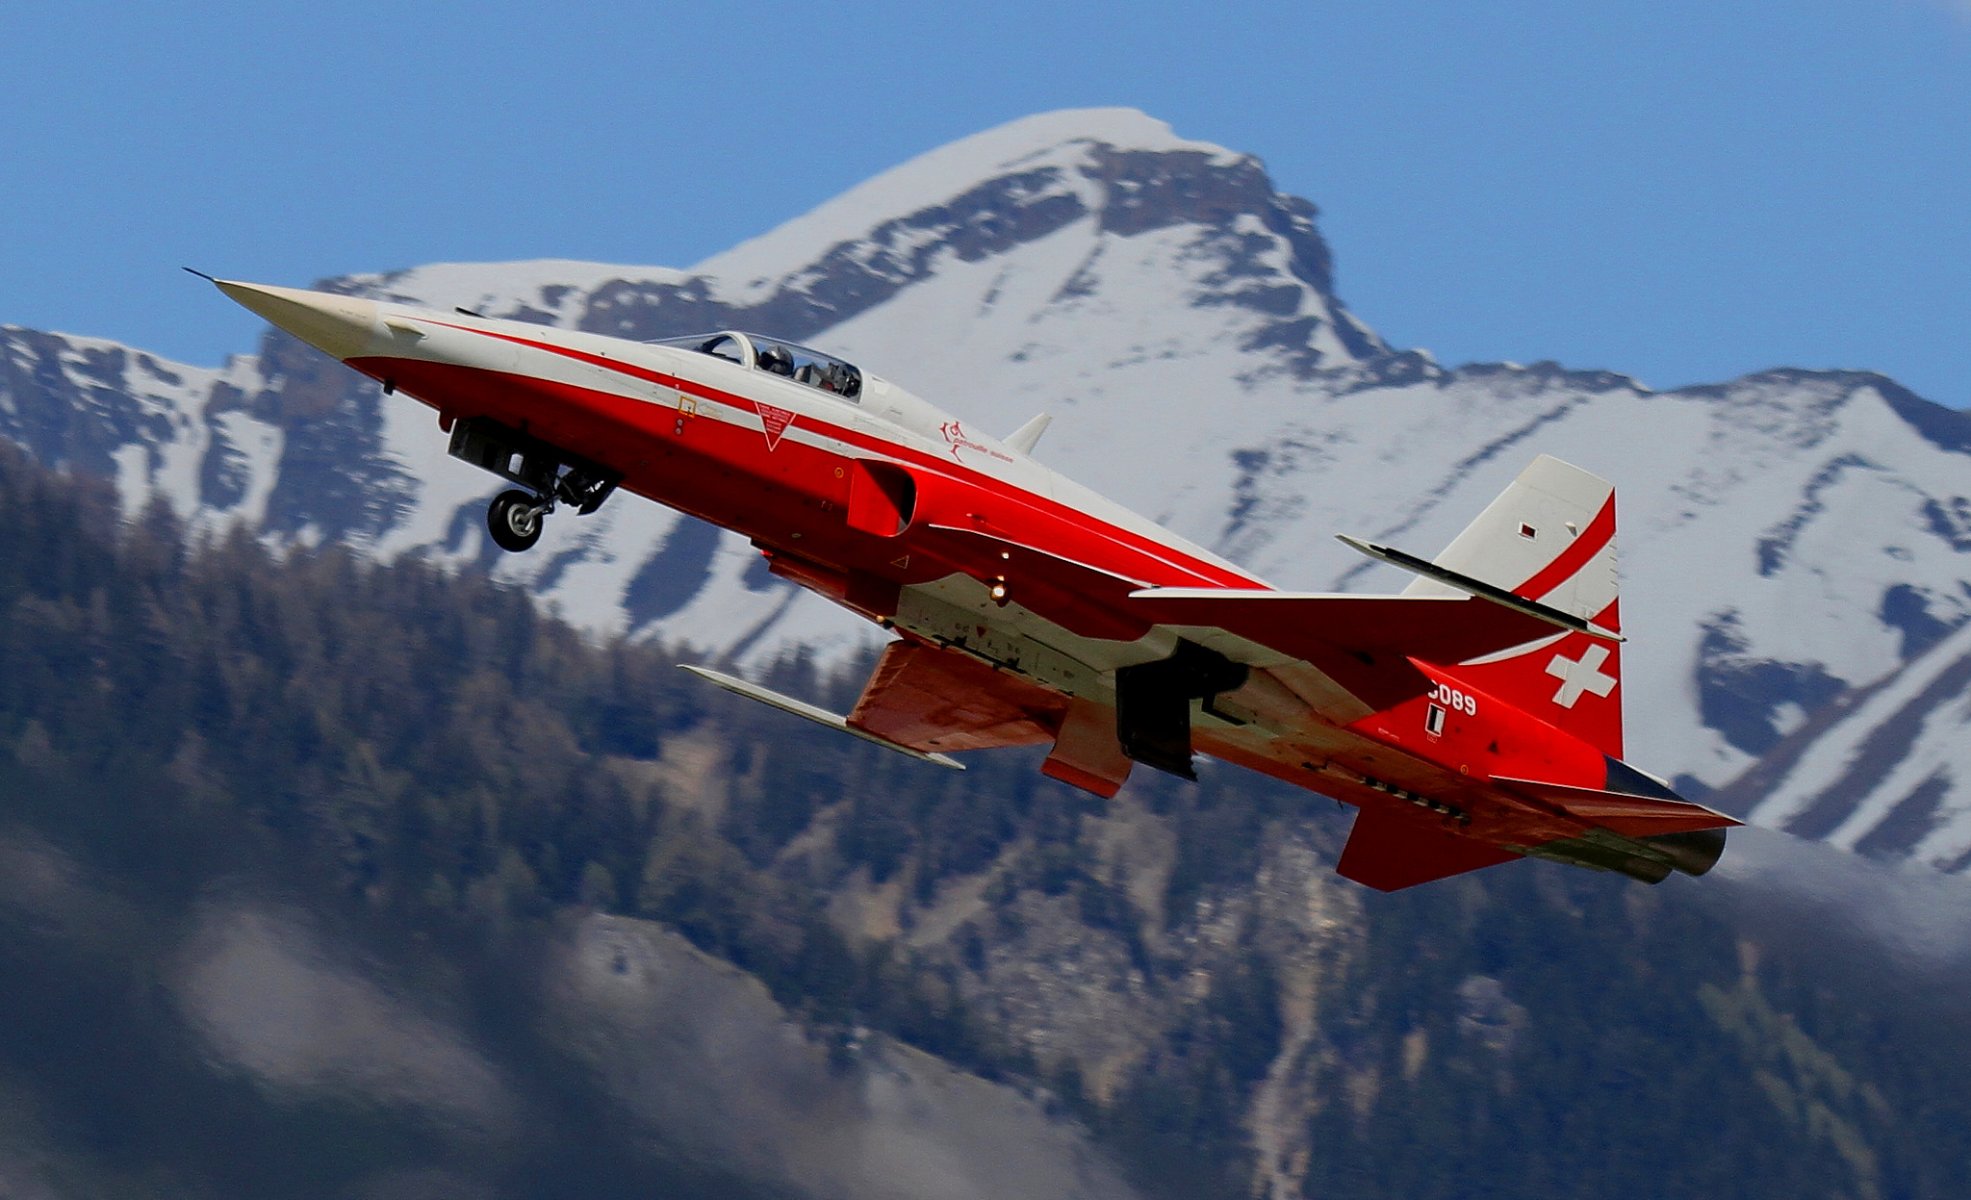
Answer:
x=820 y=716
x=1621 y=812
x=1480 y=588
x=1390 y=849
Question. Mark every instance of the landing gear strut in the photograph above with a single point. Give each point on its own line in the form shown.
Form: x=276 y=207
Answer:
x=549 y=475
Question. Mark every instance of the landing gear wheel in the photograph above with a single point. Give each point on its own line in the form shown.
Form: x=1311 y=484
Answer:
x=514 y=519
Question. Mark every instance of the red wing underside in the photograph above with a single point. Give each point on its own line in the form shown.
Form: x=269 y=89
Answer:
x=931 y=700
x=1363 y=643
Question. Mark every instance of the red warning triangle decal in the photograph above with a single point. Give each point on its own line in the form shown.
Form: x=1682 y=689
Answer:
x=774 y=422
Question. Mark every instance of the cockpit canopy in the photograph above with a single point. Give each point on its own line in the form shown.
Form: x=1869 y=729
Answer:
x=798 y=363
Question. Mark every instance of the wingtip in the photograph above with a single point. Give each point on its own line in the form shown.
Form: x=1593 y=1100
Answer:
x=201 y=274
x=820 y=716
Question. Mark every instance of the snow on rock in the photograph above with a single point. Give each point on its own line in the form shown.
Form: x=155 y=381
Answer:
x=1888 y=773
x=1018 y=148
x=539 y=290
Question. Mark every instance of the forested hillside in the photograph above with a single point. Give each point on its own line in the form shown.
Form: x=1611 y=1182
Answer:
x=448 y=782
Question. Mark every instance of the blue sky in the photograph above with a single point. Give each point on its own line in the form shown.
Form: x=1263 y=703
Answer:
x=1682 y=191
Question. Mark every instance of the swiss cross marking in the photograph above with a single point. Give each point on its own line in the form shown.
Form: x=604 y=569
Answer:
x=1582 y=675
x=773 y=422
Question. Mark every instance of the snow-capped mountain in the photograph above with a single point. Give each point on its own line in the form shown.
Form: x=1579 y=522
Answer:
x=1788 y=536
x=1884 y=771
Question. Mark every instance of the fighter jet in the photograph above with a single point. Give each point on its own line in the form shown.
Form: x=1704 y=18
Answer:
x=1473 y=719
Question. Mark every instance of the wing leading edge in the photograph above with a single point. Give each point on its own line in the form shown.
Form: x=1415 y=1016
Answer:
x=820 y=716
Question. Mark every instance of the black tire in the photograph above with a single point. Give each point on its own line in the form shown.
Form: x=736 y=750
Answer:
x=514 y=520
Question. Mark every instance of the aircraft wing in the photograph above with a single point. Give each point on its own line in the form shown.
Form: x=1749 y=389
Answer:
x=932 y=700
x=1363 y=643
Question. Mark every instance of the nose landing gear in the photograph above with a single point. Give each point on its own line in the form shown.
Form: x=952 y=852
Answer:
x=547 y=476
x=515 y=520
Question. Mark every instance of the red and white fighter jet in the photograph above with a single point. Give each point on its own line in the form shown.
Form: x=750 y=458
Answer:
x=1473 y=719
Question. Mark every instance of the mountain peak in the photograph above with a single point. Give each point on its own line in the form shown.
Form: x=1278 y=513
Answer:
x=1061 y=141
x=1120 y=128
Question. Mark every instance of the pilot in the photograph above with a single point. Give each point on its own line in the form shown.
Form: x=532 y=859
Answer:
x=777 y=359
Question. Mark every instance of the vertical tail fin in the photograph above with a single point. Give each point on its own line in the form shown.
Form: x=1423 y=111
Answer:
x=1550 y=538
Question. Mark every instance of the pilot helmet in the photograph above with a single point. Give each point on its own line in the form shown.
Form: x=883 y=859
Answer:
x=776 y=359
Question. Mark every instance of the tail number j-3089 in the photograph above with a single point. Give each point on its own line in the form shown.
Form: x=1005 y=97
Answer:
x=1455 y=700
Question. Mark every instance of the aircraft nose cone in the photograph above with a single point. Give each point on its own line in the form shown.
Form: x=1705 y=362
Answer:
x=344 y=326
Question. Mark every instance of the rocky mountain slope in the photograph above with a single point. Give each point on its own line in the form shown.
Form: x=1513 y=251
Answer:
x=1788 y=537
x=1885 y=771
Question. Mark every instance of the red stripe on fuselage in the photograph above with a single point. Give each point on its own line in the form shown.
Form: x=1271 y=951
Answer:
x=1196 y=570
